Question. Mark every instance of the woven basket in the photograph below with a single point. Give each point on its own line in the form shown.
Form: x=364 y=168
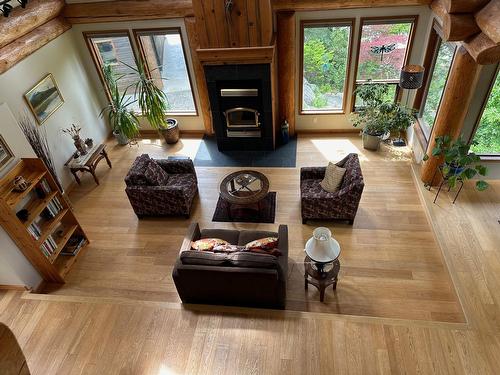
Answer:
x=171 y=133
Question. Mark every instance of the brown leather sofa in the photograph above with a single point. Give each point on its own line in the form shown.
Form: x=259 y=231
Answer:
x=242 y=279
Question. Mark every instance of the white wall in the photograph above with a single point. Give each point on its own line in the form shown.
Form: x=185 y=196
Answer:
x=308 y=122
x=61 y=58
x=186 y=122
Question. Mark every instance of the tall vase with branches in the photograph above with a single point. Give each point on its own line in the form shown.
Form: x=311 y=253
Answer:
x=37 y=137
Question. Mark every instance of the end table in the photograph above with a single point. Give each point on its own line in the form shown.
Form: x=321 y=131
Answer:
x=88 y=162
x=321 y=275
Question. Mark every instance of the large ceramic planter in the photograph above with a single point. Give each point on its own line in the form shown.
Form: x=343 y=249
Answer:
x=120 y=138
x=171 y=133
x=371 y=142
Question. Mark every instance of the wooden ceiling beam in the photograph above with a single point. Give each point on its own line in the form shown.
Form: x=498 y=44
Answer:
x=483 y=49
x=18 y=50
x=127 y=10
x=488 y=20
x=456 y=27
x=304 y=5
x=463 y=6
x=22 y=21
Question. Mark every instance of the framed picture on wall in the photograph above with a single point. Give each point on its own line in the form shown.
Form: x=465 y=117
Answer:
x=6 y=154
x=44 y=99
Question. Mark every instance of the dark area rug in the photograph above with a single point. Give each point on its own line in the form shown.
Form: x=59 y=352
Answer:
x=247 y=215
x=208 y=155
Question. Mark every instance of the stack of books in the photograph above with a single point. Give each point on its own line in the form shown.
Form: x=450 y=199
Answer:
x=74 y=244
x=48 y=246
x=35 y=231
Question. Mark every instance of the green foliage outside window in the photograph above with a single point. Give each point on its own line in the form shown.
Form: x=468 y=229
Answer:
x=325 y=65
x=487 y=137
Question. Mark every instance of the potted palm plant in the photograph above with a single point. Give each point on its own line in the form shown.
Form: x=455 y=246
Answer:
x=459 y=162
x=124 y=122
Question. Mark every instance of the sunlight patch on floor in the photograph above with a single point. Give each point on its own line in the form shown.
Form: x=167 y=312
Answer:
x=158 y=147
x=336 y=149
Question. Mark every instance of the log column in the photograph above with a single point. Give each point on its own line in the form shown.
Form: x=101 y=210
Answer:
x=286 y=68
x=458 y=92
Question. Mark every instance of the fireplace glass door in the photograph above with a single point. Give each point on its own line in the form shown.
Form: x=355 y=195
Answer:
x=242 y=118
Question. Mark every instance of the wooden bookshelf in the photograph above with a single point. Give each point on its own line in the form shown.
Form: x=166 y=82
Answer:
x=48 y=212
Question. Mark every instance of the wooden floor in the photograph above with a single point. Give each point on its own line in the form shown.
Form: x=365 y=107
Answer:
x=74 y=333
x=391 y=264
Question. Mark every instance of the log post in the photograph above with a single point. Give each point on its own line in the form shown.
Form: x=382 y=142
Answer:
x=286 y=67
x=199 y=73
x=455 y=102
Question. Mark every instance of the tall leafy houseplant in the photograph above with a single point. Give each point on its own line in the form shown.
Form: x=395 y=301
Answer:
x=123 y=121
x=459 y=162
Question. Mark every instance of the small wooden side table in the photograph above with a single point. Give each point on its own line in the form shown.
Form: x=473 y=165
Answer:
x=88 y=163
x=317 y=275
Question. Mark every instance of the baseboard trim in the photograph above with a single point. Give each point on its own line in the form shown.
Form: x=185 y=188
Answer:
x=327 y=131
x=20 y=288
x=150 y=132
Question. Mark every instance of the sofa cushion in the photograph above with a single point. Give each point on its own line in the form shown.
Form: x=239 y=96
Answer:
x=252 y=260
x=207 y=244
x=265 y=243
x=155 y=175
x=136 y=174
x=230 y=236
x=246 y=236
x=333 y=178
x=205 y=258
x=311 y=189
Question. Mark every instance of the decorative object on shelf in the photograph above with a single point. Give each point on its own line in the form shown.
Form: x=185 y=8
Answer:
x=23 y=214
x=20 y=184
x=6 y=8
x=171 y=131
x=460 y=164
x=74 y=132
x=6 y=155
x=44 y=99
x=321 y=263
x=37 y=137
x=384 y=48
x=89 y=142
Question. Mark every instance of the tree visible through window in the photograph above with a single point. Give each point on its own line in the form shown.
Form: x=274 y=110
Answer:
x=382 y=53
x=437 y=83
x=325 y=62
x=487 y=137
x=164 y=55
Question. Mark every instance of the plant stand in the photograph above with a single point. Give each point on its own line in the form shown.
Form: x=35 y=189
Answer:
x=445 y=181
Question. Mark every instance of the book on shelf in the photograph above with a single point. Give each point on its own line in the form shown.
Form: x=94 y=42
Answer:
x=74 y=245
x=35 y=231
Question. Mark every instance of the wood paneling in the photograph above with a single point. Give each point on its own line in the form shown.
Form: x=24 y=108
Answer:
x=304 y=5
x=286 y=67
x=22 y=21
x=199 y=74
x=248 y=23
x=248 y=55
x=127 y=10
x=24 y=46
x=454 y=105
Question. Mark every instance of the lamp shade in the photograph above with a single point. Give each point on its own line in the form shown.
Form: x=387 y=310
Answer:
x=321 y=247
x=412 y=77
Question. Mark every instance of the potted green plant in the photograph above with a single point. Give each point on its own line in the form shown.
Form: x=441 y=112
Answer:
x=371 y=116
x=124 y=122
x=459 y=162
x=154 y=104
x=399 y=118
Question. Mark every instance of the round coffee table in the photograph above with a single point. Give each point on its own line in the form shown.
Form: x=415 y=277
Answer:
x=244 y=189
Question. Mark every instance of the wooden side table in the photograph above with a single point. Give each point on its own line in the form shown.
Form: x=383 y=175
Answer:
x=88 y=163
x=319 y=277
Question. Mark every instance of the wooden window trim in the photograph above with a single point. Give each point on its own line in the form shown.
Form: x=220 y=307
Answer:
x=486 y=157
x=166 y=30
x=413 y=19
x=325 y=23
x=422 y=93
x=88 y=35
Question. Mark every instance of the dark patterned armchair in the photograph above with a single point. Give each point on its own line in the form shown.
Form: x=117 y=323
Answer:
x=343 y=204
x=173 y=197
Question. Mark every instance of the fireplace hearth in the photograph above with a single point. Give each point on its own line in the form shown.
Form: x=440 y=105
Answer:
x=241 y=104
